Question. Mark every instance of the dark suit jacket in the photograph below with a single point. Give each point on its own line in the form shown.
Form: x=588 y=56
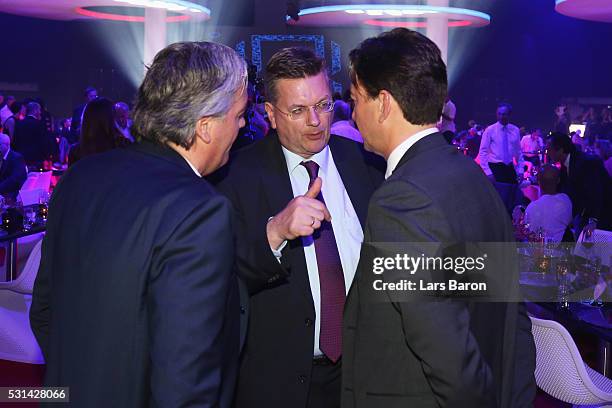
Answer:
x=277 y=359
x=32 y=140
x=425 y=353
x=589 y=187
x=13 y=174
x=135 y=302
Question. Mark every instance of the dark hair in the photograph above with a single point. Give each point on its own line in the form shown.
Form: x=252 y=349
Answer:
x=504 y=104
x=16 y=107
x=342 y=111
x=406 y=64
x=187 y=81
x=98 y=131
x=560 y=140
x=291 y=63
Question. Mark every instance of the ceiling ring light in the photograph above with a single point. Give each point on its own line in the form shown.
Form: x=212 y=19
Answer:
x=186 y=9
x=390 y=15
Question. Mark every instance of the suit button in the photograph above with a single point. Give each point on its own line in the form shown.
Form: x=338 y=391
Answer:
x=301 y=379
x=308 y=322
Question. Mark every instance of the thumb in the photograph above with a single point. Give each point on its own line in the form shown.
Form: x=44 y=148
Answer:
x=314 y=189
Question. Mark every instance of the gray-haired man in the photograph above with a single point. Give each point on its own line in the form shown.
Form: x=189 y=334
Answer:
x=135 y=303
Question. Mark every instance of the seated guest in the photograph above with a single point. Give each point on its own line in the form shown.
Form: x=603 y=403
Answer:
x=552 y=211
x=341 y=122
x=122 y=119
x=584 y=179
x=98 y=131
x=31 y=138
x=13 y=171
x=531 y=145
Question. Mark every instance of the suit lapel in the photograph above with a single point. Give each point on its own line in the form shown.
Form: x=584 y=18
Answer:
x=355 y=177
x=274 y=177
x=274 y=181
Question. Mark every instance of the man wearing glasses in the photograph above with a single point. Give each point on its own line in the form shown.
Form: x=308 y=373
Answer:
x=301 y=199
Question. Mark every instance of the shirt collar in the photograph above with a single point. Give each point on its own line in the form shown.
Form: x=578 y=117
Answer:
x=293 y=160
x=567 y=160
x=192 y=167
x=397 y=153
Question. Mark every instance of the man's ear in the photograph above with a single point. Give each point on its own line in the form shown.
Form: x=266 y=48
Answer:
x=385 y=100
x=202 y=129
x=270 y=112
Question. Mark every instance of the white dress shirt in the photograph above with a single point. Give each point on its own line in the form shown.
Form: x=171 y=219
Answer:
x=401 y=149
x=529 y=147
x=5 y=113
x=345 y=223
x=552 y=213
x=494 y=150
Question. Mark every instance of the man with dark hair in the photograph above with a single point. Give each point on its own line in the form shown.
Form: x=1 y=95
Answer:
x=300 y=196
x=424 y=352
x=135 y=302
x=500 y=148
x=90 y=93
x=584 y=179
x=31 y=139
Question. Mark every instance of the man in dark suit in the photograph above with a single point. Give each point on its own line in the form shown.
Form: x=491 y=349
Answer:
x=135 y=303
x=584 y=179
x=13 y=171
x=31 y=139
x=89 y=94
x=403 y=349
x=297 y=265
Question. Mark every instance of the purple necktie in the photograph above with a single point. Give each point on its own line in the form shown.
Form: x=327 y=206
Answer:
x=331 y=279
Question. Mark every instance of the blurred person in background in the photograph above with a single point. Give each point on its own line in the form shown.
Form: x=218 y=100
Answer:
x=342 y=124
x=90 y=93
x=32 y=140
x=6 y=112
x=99 y=132
x=12 y=169
x=18 y=113
x=122 y=119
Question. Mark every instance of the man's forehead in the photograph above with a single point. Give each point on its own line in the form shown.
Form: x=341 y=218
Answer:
x=298 y=90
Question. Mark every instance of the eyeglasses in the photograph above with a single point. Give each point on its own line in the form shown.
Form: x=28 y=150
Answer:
x=300 y=112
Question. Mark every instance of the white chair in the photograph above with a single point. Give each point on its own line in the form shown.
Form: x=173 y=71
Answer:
x=560 y=371
x=17 y=342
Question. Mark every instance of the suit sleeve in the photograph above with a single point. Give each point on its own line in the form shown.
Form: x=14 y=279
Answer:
x=437 y=331
x=16 y=177
x=483 y=152
x=256 y=264
x=192 y=301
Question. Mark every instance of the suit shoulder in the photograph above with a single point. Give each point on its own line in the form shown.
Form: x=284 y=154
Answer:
x=356 y=148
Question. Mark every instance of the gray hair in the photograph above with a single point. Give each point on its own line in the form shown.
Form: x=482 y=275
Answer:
x=187 y=81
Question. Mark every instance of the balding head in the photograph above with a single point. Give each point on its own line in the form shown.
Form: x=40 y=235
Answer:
x=548 y=179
